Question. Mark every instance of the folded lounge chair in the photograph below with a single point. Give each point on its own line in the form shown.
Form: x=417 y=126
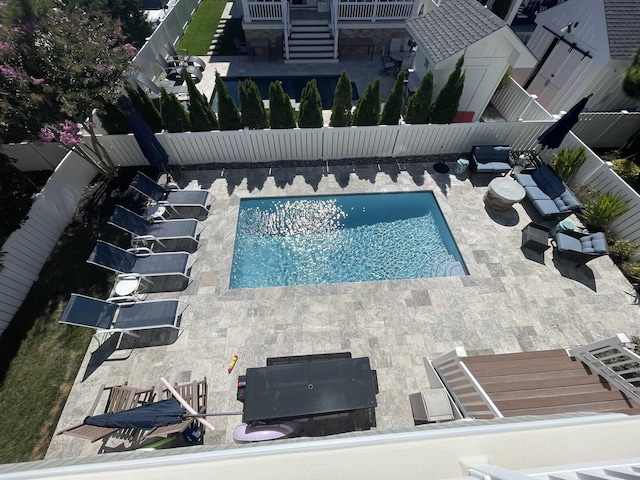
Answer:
x=107 y=316
x=580 y=247
x=184 y=57
x=174 y=198
x=170 y=234
x=145 y=263
x=194 y=393
x=121 y=397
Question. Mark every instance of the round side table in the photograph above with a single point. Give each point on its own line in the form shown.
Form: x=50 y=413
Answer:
x=503 y=193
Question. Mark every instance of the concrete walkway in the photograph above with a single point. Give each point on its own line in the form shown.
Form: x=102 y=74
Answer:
x=511 y=301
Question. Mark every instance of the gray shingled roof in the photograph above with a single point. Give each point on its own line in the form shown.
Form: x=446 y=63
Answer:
x=452 y=27
x=623 y=26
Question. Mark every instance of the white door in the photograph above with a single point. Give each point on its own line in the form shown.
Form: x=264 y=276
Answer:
x=564 y=65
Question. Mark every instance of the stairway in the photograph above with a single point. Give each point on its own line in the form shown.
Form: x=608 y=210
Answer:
x=311 y=41
x=543 y=383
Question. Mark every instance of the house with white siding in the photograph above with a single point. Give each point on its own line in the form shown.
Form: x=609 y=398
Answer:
x=583 y=47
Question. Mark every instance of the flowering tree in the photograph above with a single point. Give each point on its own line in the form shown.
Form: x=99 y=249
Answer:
x=56 y=65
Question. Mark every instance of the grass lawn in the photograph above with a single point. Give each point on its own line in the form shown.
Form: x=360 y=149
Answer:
x=39 y=358
x=197 y=38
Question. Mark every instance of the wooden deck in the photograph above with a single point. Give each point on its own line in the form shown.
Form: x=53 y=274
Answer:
x=546 y=382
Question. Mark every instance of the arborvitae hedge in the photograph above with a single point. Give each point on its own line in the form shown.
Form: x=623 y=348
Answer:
x=145 y=107
x=419 y=104
x=113 y=120
x=367 y=111
x=310 y=106
x=342 y=103
x=395 y=102
x=174 y=115
x=254 y=115
x=445 y=107
x=280 y=109
x=228 y=114
x=201 y=117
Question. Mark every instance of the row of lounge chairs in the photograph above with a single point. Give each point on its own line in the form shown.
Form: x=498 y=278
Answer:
x=156 y=271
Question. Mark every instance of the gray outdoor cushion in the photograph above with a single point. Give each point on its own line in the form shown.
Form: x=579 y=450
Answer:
x=566 y=202
x=594 y=243
x=534 y=193
x=546 y=207
x=493 y=167
x=525 y=180
x=567 y=242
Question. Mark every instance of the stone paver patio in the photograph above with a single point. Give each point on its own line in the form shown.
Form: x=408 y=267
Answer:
x=511 y=301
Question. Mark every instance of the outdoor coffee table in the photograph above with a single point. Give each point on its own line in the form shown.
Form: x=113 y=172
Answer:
x=300 y=390
x=503 y=192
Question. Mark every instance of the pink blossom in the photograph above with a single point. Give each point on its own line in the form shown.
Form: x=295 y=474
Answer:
x=36 y=81
x=5 y=47
x=46 y=135
x=70 y=140
x=2 y=4
x=69 y=127
x=104 y=69
x=130 y=49
x=8 y=71
x=94 y=43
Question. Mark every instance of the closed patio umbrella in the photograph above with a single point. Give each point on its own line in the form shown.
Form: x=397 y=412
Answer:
x=151 y=148
x=552 y=137
x=157 y=414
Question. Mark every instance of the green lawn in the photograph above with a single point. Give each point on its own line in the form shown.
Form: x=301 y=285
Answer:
x=197 y=38
x=39 y=358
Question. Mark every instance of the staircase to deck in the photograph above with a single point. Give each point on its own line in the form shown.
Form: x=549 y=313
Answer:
x=542 y=383
x=530 y=383
x=311 y=41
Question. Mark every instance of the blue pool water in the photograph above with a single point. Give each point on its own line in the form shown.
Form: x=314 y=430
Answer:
x=292 y=86
x=342 y=238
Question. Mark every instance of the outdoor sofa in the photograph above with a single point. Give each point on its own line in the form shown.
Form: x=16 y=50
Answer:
x=549 y=194
x=490 y=159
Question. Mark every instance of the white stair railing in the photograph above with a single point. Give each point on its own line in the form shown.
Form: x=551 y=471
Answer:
x=611 y=359
x=286 y=24
x=451 y=368
x=334 y=25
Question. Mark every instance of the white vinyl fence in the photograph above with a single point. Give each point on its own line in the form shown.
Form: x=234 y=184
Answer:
x=27 y=249
x=596 y=129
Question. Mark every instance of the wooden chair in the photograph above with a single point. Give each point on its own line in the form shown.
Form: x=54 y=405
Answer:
x=195 y=394
x=121 y=397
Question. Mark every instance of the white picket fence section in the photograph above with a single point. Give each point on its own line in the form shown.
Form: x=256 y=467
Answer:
x=514 y=102
x=29 y=157
x=27 y=249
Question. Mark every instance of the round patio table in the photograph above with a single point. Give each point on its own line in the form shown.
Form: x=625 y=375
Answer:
x=503 y=193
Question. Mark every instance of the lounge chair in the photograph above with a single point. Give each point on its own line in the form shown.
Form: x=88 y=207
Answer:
x=175 y=71
x=169 y=234
x=107 y=316
x=195 y=394
x=154 y=89
x=143 y=262
x=174 y=198
x=241 y=47
x=184 y=58
x=580 y=247
x=121 y=397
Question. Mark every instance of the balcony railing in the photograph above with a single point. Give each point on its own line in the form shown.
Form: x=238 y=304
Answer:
x=368 y=10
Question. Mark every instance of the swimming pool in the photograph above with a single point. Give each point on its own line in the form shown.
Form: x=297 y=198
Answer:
x=342 y=238
x=292 y=86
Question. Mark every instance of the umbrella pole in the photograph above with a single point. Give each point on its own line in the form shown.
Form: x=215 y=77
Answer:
x=187 y=407
x=218 y=414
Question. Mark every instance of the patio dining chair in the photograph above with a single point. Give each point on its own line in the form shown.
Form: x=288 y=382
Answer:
x=175 y=198
x=195 y=394
x=167 y=266
x=388 y=65
x=169 y=234
x=185 y=58
x=241 y=47
x=121 y=397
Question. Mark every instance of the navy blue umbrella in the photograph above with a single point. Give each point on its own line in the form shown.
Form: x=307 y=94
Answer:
x=157 y=414
x=149 y=144
x=552 y=137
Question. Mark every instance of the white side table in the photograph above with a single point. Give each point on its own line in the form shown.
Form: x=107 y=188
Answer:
x=155 y=212
x=127 y=286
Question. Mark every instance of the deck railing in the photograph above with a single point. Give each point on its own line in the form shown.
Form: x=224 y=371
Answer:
x=376 y=10
x=370 y=11
x=468 y=394
x=612 y=360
